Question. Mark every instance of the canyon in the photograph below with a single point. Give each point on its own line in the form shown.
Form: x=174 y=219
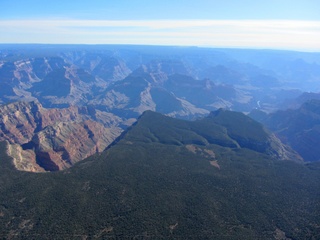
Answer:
x=61 y=104
x=43 y=139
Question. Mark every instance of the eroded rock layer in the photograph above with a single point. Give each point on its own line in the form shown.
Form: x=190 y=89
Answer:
x=43 y=139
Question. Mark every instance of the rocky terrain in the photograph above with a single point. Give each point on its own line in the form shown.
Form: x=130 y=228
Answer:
x=299 y=128
x=131 y=79
x=56 y=99
x=54 y=139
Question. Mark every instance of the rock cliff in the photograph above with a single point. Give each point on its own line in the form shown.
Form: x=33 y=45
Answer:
x=43 y=139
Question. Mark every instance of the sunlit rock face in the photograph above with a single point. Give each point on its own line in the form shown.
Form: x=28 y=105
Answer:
x=43 y=139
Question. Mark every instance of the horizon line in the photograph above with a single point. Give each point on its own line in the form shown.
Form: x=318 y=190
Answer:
x=164 y=45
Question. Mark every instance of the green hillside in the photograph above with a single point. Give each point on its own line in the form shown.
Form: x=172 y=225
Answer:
x=166 y=178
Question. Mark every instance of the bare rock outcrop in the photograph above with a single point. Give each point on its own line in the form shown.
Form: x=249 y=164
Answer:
x=24 y=160
x=63 y=144
x=19 y=121
x=43 y=139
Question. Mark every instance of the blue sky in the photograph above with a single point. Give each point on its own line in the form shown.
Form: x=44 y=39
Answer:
x=278 y=24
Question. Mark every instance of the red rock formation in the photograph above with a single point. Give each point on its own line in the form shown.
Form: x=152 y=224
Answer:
x=54 y=139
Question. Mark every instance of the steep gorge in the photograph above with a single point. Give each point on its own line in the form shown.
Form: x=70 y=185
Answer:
x=43 y=139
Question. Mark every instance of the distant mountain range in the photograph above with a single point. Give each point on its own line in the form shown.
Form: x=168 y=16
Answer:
x=182 y=82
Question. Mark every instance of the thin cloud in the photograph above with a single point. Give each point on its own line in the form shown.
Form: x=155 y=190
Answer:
x=285 y=34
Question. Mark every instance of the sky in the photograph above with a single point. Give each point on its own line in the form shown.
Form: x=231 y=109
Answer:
x=269 y=24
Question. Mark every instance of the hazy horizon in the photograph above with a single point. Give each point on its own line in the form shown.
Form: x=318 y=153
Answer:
x=282 y=25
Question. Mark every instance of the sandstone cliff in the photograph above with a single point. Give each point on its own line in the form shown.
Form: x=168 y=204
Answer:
x=43 y=139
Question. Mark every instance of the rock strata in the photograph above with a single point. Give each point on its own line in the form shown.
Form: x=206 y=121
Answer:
x=43 y=139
